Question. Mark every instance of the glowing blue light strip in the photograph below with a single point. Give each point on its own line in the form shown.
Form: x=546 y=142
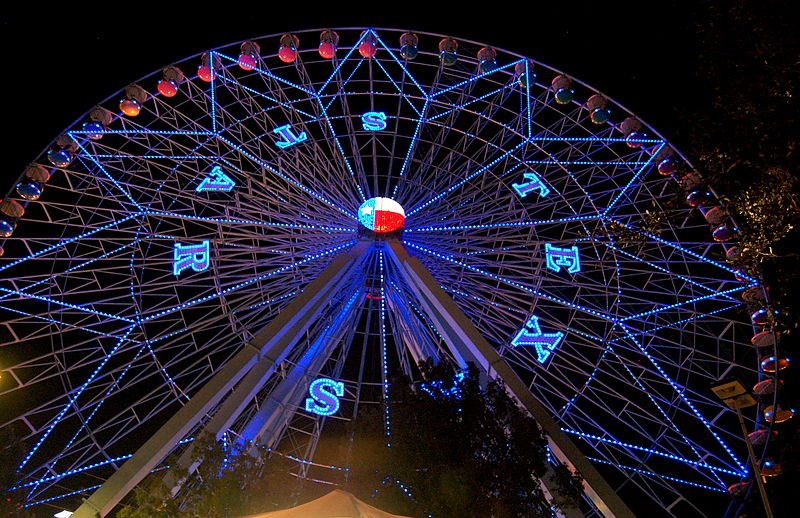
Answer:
x=384 y=361
x=286 y=178
x=107 y=175
x=237 y=221
x=653 y=452
x=574 y=398
x=342 y=84
x=471 y=79
x=337 y=68
x=317 y=464
x=465 y=180
x=142 y=131
x=681 y=304
x=342 y=153
x=212 y=87
x=68 y=241
x=693 y=318
x=72 y=472
x=73 y=399
x=116 y=385
x=57 y=323
x=527 y=95
x=636 y=258
x=402 y=64
x=506 y=224
x=681 y=394
x=465 y=105
x=81 y=265
x=90 y=488
x=587 y=162
x=59 y=497
x=592 y=139
x=248 y=282
x=403 y=95
x=156 y=157
x=635 y=177
x=667 y=418
x=257 y=93
x=272 y=75
x=515 y=284
x=269 y=302
x=658 y=475
x=702 y=258
x=412 y=144
x=53 y=301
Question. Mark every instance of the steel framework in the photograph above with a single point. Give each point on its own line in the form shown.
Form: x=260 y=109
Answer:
x=156 y=243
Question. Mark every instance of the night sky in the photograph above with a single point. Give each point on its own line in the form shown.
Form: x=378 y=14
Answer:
x=60 y=63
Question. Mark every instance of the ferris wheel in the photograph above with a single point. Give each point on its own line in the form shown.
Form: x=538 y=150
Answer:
x=294 y=218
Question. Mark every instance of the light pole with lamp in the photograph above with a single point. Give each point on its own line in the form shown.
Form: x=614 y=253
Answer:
x=734 y=394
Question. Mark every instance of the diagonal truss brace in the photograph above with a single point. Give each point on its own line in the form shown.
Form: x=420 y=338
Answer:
x=260 y=356
x=468 y=345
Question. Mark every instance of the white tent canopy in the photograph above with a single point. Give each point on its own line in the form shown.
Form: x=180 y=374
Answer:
x=336 y=504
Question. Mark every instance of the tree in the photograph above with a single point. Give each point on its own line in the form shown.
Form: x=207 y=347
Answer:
x=743 y=135
x=226 y=483
x=12 y=451
x=455 y=448
x=743 y=138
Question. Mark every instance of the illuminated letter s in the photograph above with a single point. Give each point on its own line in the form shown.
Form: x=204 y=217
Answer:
x=324 y=392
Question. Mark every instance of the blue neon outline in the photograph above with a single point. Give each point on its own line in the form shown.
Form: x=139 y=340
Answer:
x=615 y=442
x=242 y=284
x=551 y=263
x=311 y=403
x=74 y=398
x=177 y=255
x=297 y=184
x=681 y=394
x=658 y=476
x=287 y=128
x=635 y=177
x=458 y=184
x=550 y=298
x=92 y=158
x=216 y=180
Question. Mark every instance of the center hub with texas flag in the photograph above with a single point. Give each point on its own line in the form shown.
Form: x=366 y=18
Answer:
x=381 y=215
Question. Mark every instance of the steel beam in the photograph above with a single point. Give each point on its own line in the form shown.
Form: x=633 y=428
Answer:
x=467 y=344
x=259 y=355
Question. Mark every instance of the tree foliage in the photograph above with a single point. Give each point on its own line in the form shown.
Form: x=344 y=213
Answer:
x=226 y=483
x=743 y=138
x=456 y=448
x=453 y=447
x=743 y=134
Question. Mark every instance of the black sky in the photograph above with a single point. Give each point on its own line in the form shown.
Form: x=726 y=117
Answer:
x=61 y=62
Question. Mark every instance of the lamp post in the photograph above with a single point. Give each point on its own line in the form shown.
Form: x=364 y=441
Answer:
x=733 y=393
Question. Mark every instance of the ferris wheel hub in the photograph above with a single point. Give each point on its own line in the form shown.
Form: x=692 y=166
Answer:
x=381 y=215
